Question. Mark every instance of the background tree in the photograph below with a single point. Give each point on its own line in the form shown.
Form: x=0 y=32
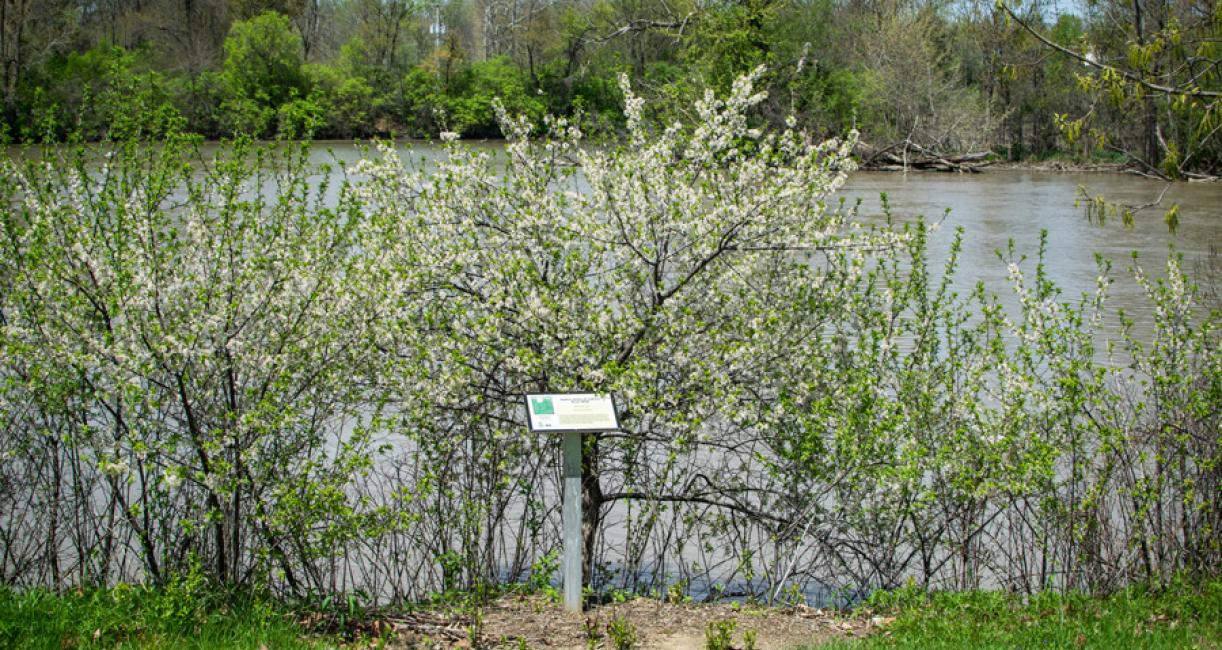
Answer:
x=247 y=9
x=30 y=33
x=1153 y=68
x=1029 y=80
x=261 y=72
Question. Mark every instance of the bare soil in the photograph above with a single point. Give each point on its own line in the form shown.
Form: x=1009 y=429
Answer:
x=537 y=622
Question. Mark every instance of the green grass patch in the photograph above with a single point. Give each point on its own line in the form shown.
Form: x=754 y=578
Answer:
x=142 y=617
x=1181 y=617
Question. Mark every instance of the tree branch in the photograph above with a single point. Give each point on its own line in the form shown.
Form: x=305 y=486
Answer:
x=679 y=498
x=1137 y=79
x=641 y=25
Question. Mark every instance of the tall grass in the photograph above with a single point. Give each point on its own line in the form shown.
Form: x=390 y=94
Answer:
x=128 y=616
x=1180 y=616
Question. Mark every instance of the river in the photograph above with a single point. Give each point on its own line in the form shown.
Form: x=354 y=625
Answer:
x=993 y=208
x=1000 y=205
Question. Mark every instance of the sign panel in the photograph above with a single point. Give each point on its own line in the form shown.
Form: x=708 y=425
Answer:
x=558 y=412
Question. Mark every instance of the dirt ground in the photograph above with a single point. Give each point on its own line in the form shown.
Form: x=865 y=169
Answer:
x=535 y=622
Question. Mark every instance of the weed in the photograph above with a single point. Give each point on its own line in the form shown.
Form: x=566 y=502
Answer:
x=592 y=632
x=622 y=633
x=541 y=572
x=677 y=593
x=719 y=635
x=475 y=630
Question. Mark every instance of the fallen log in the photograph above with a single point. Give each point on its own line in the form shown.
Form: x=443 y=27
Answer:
x=899 y=157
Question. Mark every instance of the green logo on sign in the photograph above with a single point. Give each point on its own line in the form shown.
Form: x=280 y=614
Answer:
x=542 y=406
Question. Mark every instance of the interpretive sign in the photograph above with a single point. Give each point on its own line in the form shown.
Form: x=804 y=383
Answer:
x=572 y=414
x=560 y=412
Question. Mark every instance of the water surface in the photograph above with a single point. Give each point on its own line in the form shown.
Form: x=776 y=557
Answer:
x=999 y=206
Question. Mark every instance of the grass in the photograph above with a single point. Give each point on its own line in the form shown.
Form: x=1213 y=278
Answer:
x=185 y=613
x=140 y=617
x=1183 y=616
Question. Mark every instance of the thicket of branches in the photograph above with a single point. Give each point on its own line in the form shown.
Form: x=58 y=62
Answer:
x=318 y=389
x=1136 y=82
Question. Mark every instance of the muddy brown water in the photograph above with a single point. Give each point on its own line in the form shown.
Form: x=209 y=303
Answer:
x=999 y=206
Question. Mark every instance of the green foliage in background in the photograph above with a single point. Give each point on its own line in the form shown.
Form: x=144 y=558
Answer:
x=105 y=92
x=1134 y=83
x=464 y=103
x=261 y=73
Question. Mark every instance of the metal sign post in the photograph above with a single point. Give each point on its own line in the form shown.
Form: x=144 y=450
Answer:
x=572 y=521
x=572 y=414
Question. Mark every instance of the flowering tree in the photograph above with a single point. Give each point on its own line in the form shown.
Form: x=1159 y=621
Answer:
x=317 y=388
x=196 y=342
x=678 y=271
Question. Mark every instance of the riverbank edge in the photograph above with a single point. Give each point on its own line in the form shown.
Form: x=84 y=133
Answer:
x=1182 y=615
x=1044 y=166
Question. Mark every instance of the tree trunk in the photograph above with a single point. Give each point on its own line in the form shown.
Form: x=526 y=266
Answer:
x=591 y=505
x=1150 y=146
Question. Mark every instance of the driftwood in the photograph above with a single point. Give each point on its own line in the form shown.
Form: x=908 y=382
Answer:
x=423 y=625
x=906 y=156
